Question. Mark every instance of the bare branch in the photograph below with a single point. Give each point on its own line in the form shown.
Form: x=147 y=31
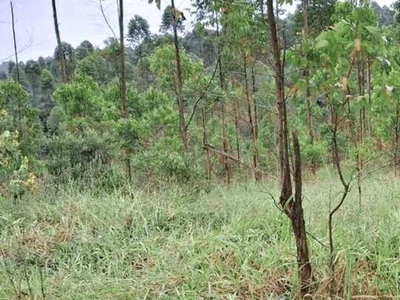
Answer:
x=106 y=19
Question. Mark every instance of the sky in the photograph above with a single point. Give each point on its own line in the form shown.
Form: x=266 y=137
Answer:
x=78 y=20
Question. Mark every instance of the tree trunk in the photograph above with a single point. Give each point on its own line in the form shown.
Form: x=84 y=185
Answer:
x=251 y=120
x=207 y=151
x=253 y=80
x=306 y=73
x=63 y=67
x=286 y=191
x=179 y=86
x=235 y=113
x=255 y=108
x=298 y=223
x=346 y=190
x=124 y=100
x=15 y=40
x=223 y=130
x=293 y=209
x=396 y=138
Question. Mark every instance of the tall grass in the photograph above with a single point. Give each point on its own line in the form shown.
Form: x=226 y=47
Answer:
x=176 y=244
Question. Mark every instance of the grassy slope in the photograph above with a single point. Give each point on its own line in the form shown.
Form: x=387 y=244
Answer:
x=228 y=244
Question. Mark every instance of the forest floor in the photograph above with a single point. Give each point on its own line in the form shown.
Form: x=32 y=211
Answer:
x=228 y=243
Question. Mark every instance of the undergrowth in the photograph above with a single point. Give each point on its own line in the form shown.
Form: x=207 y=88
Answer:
x=218 y=243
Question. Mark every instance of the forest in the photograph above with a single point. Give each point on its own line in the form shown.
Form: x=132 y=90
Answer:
x=242 y=152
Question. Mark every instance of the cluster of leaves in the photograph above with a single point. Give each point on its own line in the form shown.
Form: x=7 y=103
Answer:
x=20 y=139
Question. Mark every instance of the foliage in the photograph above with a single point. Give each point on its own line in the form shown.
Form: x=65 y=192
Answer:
x=138 y=29
x=85 y=49
x=19 y=116
x=80 y=98
x=167 y=21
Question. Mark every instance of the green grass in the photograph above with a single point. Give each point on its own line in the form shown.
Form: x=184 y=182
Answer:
x=227 y=244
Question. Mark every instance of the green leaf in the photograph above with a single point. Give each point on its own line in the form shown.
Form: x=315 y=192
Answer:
x=322 y=44
x=373 y=30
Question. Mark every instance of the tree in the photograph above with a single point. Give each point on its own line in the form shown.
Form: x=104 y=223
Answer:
x=318 y=14
x=61 y=54
x=14 y=39
x=200 y=41
x=80 y=98
x=84 y=50
x=3 y=75
x=67 y=59
x=124 y=101
x=46 y=96
x=138 y=30
x=292 y=207
x=32 y=74
x=170 y=20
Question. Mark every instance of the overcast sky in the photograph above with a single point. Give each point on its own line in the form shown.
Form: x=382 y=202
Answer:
x=78 y=19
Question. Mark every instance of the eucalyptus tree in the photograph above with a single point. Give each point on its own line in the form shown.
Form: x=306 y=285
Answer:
x=291 y=205
x=84 y=49
x=14 y=39
x=66 y=58
x=244 y=36
x=47 y=86
x=124 y=99
x=177 y=18
x=138 y=30
x=32 y=75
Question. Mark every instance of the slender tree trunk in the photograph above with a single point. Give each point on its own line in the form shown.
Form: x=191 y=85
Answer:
x=15 y=40
x=235 y=112
x=345 y=192
x=20 y=135
x=362 y=126
x=310 y=126
x=293 y=209
x=370 y=131
x=179 y=86
x=124 y=100
x=255 y=121
x=223 y=130
x=225 y=145
x=251 y=120
x=286 y=191
x=63 y=68
x=298 y=223
x=206 y=150
x=253 y=80
x=396 y=137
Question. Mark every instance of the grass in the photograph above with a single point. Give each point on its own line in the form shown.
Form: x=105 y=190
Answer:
x=226 y=244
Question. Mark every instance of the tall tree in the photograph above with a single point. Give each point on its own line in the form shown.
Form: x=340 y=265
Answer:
x=124 y=100
x=138 y=30
x=63 y=67
x=15 y=40
x=178 y=81
x=223 y=106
